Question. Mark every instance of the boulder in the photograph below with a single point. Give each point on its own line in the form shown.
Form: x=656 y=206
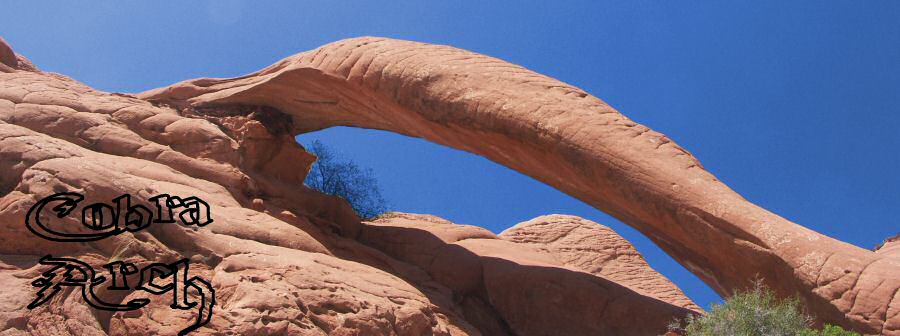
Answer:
x=597 y=249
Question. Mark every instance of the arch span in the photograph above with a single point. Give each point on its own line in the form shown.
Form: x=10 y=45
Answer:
x=572 y=141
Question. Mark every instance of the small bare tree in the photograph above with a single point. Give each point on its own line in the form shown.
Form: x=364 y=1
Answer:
x=344 y=178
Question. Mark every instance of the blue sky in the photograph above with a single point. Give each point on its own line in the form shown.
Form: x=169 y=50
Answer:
x=794 y=105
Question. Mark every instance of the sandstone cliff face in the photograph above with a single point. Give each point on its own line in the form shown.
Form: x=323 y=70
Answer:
x=285 y=259
x=282 y=258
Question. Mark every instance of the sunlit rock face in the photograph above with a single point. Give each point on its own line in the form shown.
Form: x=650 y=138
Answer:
x=284 y=259
x=891 y=246
x=501 y=280
x=596 y=249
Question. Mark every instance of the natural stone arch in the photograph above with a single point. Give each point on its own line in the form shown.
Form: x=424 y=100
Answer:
x=561 y=135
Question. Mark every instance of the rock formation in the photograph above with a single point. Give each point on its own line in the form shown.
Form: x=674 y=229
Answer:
x=561 y=135
x=286 y=259
x=596 y=249
x=502 y=283
x=891 y=246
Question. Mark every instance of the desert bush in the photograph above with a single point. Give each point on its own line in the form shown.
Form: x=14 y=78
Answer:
x=756 y=312
x=829 y=330
x=344 y=178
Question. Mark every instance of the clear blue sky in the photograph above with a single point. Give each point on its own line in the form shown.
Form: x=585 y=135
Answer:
x=795 y=105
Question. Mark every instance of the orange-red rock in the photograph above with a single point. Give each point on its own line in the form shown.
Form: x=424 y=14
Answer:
x=271 y=251
x=7 y=56
x=531 y=292
x=286 y=259
x=575 y=142
x=597 y=249
x=891 y=246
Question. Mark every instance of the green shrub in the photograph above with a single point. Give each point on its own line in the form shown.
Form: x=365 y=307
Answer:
x=756 y=312
x=829 y=330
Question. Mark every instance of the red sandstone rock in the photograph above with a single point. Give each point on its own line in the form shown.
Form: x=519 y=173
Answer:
x=530 y=292
x=596 y=249
x=7 y=56
x=891 y=246
x=286 y=259
x=270 y=251
x=575 y=142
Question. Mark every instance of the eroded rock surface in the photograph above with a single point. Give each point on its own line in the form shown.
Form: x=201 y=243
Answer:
x=286 y=259
x=273 y=251
x=575 y=142
x=282 y=258
x=596 y=249
x=891 y=246
x=7 y=56
x=518 y=279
